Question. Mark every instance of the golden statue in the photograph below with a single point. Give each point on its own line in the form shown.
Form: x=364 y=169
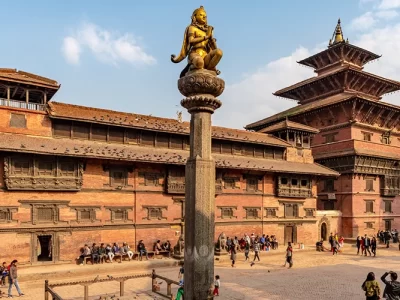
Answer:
x=199 y=45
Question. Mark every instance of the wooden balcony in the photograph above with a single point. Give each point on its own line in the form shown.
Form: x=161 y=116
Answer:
x=390 y=192
x=22 y=104
x=293 y=192
x=176 y=188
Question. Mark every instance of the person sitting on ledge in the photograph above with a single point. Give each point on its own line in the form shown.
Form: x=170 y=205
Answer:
x=109 y=252
x=85 y=252
x=127 y=250
x=157 y=247
x=117 y=251
x=102 y=253
x=167 y=246
x=95 y=253
x=142 y=250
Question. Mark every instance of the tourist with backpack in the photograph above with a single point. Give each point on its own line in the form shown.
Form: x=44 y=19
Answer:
x=371 y=287
x=13 y=278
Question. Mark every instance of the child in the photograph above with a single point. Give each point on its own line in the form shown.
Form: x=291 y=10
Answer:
x=217 y=285
x=3 y=273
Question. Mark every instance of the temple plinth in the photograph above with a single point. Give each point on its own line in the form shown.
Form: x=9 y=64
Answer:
x=201 y=87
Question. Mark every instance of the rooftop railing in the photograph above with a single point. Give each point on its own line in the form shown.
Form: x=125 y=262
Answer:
x=22 y=104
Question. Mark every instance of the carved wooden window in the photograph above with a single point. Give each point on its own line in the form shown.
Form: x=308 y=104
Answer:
x=369 y=185
x=329 y=205
x=85 y=215
x=385 y=138
x=283 y=181
x=330 y=138
x=226 y=148
x=133 y=136
x=227 y=212
x=162 y=140
x=269 y=152
x=67 y=169
x=304 y=183
x=147 y=138
x=155 y=213
x=99 y=133
x=309 y=212
x=367 y=136
x=216 y=147
x=388 y=206
x=80 y=130
x=279 y=154
x=252 y=184
x=116 y=135
x=20 y=167
x=45 y=168
x=62 y=129
x=291 y=210
x=248 y=150
x=176 y=142
x=150 y=179
x=251 y=212
x=45 y=214
x=369 y=206
x=6 y=214
x=118 y=177
x=369 y=225
x=17 y=120
x=230 y=182
x=271 y=212
x=329 y=185
x=119 y=215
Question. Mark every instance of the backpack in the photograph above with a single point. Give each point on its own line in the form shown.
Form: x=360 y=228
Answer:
x=371 y=289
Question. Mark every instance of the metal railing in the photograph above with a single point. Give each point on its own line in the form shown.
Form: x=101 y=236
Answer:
x=22 y=104
x=49 y=288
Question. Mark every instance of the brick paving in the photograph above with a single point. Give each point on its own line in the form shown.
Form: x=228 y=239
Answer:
x=314 y=276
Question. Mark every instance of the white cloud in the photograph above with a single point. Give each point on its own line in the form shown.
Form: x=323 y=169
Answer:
x=387 y=14
x=251 y=99
x=108 y=47
x=389 y=4
x=71 y=50
x=363 y=22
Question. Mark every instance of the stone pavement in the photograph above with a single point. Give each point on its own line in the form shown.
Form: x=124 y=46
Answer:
x=314 y=276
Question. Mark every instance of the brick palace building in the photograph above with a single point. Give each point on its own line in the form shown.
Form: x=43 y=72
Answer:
x=72 y=175
x=359 y=136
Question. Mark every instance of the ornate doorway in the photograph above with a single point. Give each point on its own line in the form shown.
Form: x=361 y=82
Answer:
x=43 y=250
x=324 y=231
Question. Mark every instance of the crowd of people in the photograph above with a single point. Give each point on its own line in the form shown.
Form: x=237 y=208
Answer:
x=104 y=252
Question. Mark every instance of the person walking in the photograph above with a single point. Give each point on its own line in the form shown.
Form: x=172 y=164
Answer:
x=289 y=255
x=246 y=251
x=392 y=287
x=371 y=287
x=233 y=253
x=367 y=245
x=256 y=248
x=13 y=279
x=373 y=246
x=217 y=285
x=358 y=244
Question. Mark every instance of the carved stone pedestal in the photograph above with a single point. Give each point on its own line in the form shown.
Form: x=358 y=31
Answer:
x=201 y=87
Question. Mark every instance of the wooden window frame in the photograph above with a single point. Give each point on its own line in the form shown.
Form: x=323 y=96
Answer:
x=252 y=210
x=390 y=206
x=331 y=204
x=309 y=212
x=330 y=138
x=269 y=210
x=327 y=187
x=369 y=225
x=125 y=213
x=369 y=184
x=112 y=172
x=8 y=214
x=367 y=202
x=231 y=210
x=231 y=181
x=155 y=208
x=367 y=136
x=295 y=210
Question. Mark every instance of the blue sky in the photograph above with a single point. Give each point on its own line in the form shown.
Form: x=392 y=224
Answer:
x=116 y=54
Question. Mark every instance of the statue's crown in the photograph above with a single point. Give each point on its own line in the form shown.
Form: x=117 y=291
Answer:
x=201 y=8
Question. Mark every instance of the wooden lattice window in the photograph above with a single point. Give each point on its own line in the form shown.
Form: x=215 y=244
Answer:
x=388 y=206
x=85 y=215
x=3 y=216
x=150 y=179
x=155 y=213
x=252 y=184
x=20 y=167
x=330 y=138
x=17 y=120
x=369 y=206
x=119 y=215
x=227 y=212
x=133 y=136
x=118 y=177
x=62 y=129
x=67 y=169
x=385 y=138
x=45 y=168
x=162 y=140
x=99 y=133
x=80 y=130
x=369 y=225
x=367 y=136
x=291 y=210
x=116 y=135
x=6 y=214
x=309 y=213
x=230 y=182
x=271 y=212
x=251 y=212
x=45 y=214
x=147 y=138
x=369 y=185
x=176 y=142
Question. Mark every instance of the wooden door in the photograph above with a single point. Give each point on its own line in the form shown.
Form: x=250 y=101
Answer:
x=288 y=234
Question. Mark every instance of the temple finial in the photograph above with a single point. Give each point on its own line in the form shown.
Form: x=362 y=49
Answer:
x=337 y=36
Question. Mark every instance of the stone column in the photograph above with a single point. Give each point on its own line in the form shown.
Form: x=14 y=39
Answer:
x=200 y=88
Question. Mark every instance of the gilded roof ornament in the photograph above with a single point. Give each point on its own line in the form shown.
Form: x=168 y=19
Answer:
x=337 y=36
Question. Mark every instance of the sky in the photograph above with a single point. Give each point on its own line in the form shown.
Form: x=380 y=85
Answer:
x=116 y=54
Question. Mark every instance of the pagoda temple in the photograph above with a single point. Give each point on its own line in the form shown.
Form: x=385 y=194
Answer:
x=358 y=136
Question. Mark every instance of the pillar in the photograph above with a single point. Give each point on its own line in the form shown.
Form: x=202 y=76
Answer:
x=27 y=96
x=200 y=88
